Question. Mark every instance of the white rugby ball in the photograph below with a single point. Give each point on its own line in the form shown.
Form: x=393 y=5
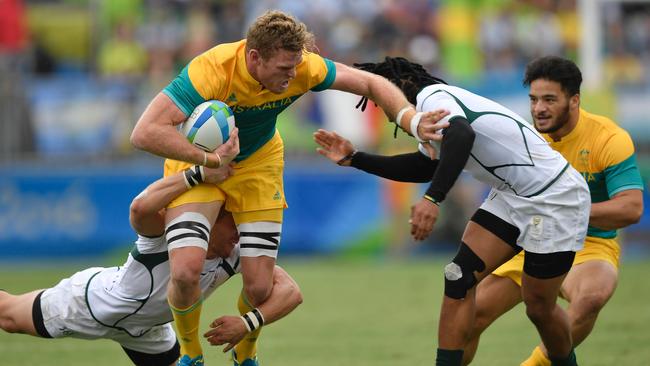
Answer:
x=209 y=125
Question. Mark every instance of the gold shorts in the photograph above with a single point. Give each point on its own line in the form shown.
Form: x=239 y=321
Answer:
x=255 y=191
x=594 y=249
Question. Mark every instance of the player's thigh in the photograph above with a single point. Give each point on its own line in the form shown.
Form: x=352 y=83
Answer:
x=188 y=233
x=543 y=276
x=257 y=183
x=495 y=296
x=208 y=209
x=541 y=291
x=16 y=312
x=259 y=241
x=489 y=247
x=594 y=280
x=512 y=269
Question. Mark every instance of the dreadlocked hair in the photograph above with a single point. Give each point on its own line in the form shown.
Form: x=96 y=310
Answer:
x=410 y=77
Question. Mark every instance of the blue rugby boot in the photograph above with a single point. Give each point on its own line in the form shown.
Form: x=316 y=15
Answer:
x=246 y=362
x=187 y=361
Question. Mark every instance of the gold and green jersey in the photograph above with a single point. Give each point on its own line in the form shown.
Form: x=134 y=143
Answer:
x=221 y=74
x=604 y=154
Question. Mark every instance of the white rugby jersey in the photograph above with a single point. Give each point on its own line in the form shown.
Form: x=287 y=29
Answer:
x=133 y=297
x=508 y=153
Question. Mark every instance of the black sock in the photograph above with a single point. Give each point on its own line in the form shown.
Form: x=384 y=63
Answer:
x=446 y=357
x=569 y=360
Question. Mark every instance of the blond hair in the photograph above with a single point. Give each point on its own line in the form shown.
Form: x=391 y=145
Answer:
x=275 y=30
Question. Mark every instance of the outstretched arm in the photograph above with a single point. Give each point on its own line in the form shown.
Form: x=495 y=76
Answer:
x=284 y=297
x=389 y=97
x=412 y=167
x=454 y=152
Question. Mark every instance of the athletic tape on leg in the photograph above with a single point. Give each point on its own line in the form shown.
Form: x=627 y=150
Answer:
x=459 y=274
x=261 y=238
x=190 y=229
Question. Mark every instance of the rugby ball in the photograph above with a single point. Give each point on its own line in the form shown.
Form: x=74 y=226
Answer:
x=209 y=125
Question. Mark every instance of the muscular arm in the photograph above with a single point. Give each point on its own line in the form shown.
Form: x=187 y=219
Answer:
x=155 y=132
x=285 y=296
x=624 y=209
x=388 y=96
x=145 y=211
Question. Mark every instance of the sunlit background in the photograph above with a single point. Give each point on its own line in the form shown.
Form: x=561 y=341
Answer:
x=75 y=75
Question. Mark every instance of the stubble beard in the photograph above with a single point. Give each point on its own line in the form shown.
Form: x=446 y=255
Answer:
x=560 y=121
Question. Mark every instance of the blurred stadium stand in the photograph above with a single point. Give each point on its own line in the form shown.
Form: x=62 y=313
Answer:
x=76 y=74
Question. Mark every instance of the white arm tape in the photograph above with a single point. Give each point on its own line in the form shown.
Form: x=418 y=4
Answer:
x=400 y=114
x=253 y=319
x=415 y=121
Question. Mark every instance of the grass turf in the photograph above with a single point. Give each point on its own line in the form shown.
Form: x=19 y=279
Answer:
x=359 y=313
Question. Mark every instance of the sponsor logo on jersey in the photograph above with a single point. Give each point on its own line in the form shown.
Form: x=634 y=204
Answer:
x=266 y=106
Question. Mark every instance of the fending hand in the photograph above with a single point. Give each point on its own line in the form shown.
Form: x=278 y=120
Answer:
x=227 y=330
x=333 y=146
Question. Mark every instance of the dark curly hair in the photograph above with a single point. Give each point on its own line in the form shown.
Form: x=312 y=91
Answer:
x=410 y=77
x=554 y=68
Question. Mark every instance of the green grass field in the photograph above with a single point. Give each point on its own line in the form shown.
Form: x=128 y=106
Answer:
x=363 y=313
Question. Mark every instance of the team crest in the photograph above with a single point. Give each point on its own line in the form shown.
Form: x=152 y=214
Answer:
x=583 y=158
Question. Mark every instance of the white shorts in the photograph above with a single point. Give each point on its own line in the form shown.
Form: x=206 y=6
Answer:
x=554 y=221
x=65 y=314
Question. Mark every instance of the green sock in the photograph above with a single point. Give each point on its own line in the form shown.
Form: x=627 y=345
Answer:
x=569 y=360
x=447 y=357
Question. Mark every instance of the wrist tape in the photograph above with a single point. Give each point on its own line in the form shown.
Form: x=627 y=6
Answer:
x=193 y=176
x=415 y=121
x=253 y=319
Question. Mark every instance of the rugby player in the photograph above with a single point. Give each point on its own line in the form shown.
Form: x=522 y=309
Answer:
x=128 y=304
x=603 y=153
x=538 y=203
x=258 y=77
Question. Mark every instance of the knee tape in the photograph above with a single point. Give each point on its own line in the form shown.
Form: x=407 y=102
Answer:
x=190 y=229
x=459 y=274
